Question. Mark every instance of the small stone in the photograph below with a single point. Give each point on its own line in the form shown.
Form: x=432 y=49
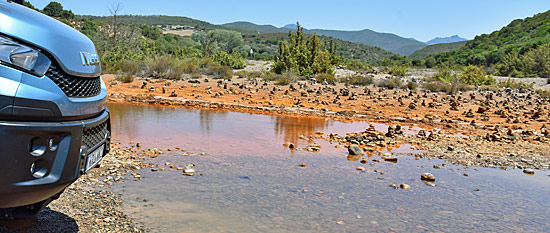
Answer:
x=154 y=169
x=394 y=185
x=361 y=169
x=404 y=186
x=340 y=223
x=363 y=161
x=138 y=144
x=302 y=164
x=188 y=171
x=427 y=176
x=529 y=171
x=355 y=150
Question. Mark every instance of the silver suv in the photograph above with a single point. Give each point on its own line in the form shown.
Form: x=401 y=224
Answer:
x=54 y=123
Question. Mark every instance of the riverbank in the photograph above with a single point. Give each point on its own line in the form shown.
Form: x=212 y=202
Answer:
x=497 y=127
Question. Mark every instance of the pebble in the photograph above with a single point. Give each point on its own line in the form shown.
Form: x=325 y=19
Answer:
x=529 y=171
x=404 y=186
x=302 y=164
x=394 y=185
x=355 y=150
x=361 y=169
x=427 y=176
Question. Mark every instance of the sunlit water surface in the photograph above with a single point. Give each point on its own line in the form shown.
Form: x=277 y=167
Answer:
x=249 y=182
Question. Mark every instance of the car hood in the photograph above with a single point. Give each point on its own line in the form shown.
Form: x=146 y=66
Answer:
x=70 y=48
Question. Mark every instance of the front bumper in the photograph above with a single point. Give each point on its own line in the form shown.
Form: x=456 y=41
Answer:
x=40 y=159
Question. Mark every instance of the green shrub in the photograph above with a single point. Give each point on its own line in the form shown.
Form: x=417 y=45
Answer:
x=257 y=74
x=270 y=77
x=515 y=85
x=129 y=67
x=360 y=80
x=444 y=74
x=411 y=86
x=475 y=75
x=233 y=60
x=242 y=74
x=125 y=78
x=219 y=72
x=437 y=86
x=449 y=88
x=286 y=78
x=544 y=94
x=165 y=67
x=399 y=70
x=190 y=67
x=325 y=77
x=391 y=83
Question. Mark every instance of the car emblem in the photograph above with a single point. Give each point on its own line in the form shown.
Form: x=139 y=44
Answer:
x=89 y=59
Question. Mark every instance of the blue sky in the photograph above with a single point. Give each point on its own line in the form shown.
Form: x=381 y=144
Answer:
x=421 y=19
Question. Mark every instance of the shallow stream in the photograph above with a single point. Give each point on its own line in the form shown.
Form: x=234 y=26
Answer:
x=247 y=181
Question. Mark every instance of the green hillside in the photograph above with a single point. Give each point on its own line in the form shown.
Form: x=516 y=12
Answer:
x=387 y=41
x=513 y=50
x=436 y=48
x=254 y=28
x=156 y=20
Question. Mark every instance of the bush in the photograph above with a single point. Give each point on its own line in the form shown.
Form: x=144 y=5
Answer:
x=190 y=67
x=242 y=74
x=360 y=80
x=515 y=85
x=325 y=77
x=233 y=60
x=544 y=94
x=125 y=78
x=219 y=72
x=444 y=74
x=391 y=83
x=398 y=70
x=449 y=88
x=165 y=67
x=411 y=86
x=475 y=75
x=286 y=78
x=129 y=67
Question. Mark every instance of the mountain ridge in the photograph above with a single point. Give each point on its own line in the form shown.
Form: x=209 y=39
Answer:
x=387 y=41
x=445 y=40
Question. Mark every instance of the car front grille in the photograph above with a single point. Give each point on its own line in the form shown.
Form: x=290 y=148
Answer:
x=93 y=136
x=74 y=86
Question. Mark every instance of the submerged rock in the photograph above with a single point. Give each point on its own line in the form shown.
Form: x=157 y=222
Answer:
x=427 y=177
x=355 y=150
x=529 y=171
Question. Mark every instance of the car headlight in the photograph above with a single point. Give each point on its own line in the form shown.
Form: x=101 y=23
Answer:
x=23 y=57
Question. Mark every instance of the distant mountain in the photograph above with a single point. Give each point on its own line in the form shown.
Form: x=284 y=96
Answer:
x=436 y=48
x=290 y=26
x=387 y=41
x=250 y=27
x=441 y=40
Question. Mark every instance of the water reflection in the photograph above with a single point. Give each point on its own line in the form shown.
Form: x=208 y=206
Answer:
x=292 y=127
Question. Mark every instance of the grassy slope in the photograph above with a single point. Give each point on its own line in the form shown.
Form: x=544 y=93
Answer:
x=488 y=49
x=436 y=48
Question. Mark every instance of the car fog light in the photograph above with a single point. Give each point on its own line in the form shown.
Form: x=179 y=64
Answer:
x=37 y=146
x=39 y=169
